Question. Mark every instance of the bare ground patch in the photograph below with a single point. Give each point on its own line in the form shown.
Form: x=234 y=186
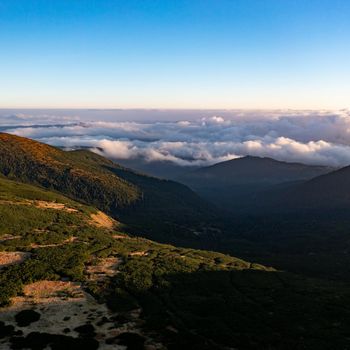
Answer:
x=64 y=306
x=52 y=291
x=54 y=205
x=140 y=253
x=100 y=219
x=120 y=237
x=103 y=269
x=41 y=205
x=9 y=258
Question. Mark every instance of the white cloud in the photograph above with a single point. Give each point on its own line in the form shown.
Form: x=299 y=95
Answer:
x=312 y=137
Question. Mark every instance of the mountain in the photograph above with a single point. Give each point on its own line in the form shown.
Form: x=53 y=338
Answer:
x=329 y=191
x=162 y=169
x=255 y=170
x=70 y=278
x=298 y=226
x=235 y=184
x=135 y=199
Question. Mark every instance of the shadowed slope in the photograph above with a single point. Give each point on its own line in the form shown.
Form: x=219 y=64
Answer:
x=253 y=170
x=235 y=184
x=157 y=295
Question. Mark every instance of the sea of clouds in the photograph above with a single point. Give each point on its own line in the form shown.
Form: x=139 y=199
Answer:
x=311 y=137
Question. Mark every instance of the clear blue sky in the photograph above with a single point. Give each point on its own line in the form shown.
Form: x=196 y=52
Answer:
x=175 y=53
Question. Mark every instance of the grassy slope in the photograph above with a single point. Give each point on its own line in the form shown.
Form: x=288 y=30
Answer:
x=211 y=299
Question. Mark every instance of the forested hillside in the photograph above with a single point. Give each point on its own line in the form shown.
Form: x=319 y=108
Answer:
x=138 y=200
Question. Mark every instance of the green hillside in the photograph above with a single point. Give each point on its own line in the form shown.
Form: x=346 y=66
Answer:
x=141 y=201
x=156 y=294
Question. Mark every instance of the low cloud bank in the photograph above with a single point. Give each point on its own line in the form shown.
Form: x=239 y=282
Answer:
x=311 y=137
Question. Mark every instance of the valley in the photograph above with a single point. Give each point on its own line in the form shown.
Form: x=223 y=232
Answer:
x=73 y=276
x=174 y=175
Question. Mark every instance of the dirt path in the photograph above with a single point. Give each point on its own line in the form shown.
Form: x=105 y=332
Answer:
x=8 y=237
x=141 y=253
x=67 y=241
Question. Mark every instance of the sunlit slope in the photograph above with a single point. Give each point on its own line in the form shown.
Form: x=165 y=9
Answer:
x=82 y=175
x=85 y=177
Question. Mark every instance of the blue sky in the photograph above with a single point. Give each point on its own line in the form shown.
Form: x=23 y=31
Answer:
x=175 y=54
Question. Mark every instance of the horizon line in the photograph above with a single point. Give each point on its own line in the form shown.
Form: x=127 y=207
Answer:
x=175 y=109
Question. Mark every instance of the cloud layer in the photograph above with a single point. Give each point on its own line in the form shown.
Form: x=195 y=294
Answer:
x=311 y=137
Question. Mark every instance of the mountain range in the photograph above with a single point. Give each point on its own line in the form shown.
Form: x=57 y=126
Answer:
x=293 y=216
x=240 y=184
x=245 y=200
x=71 y=278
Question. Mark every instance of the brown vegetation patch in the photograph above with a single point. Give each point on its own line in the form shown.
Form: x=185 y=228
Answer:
x=120 y=237
x=41 y=205
x=141 y=253
x=54 y=205
x=104 y=268
x=100 y=219
x=49 y=291
x=9 y=258
x=19 y=145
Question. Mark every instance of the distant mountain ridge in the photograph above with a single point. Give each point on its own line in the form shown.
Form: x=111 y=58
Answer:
x=251 y=169
x=301 y=224
x=237 y=182
x=330 y=191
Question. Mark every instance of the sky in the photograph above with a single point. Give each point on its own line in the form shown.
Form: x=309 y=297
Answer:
x=175 y=54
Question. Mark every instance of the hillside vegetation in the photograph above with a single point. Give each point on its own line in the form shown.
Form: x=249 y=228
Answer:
x=139 y=200
x=155 y=294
